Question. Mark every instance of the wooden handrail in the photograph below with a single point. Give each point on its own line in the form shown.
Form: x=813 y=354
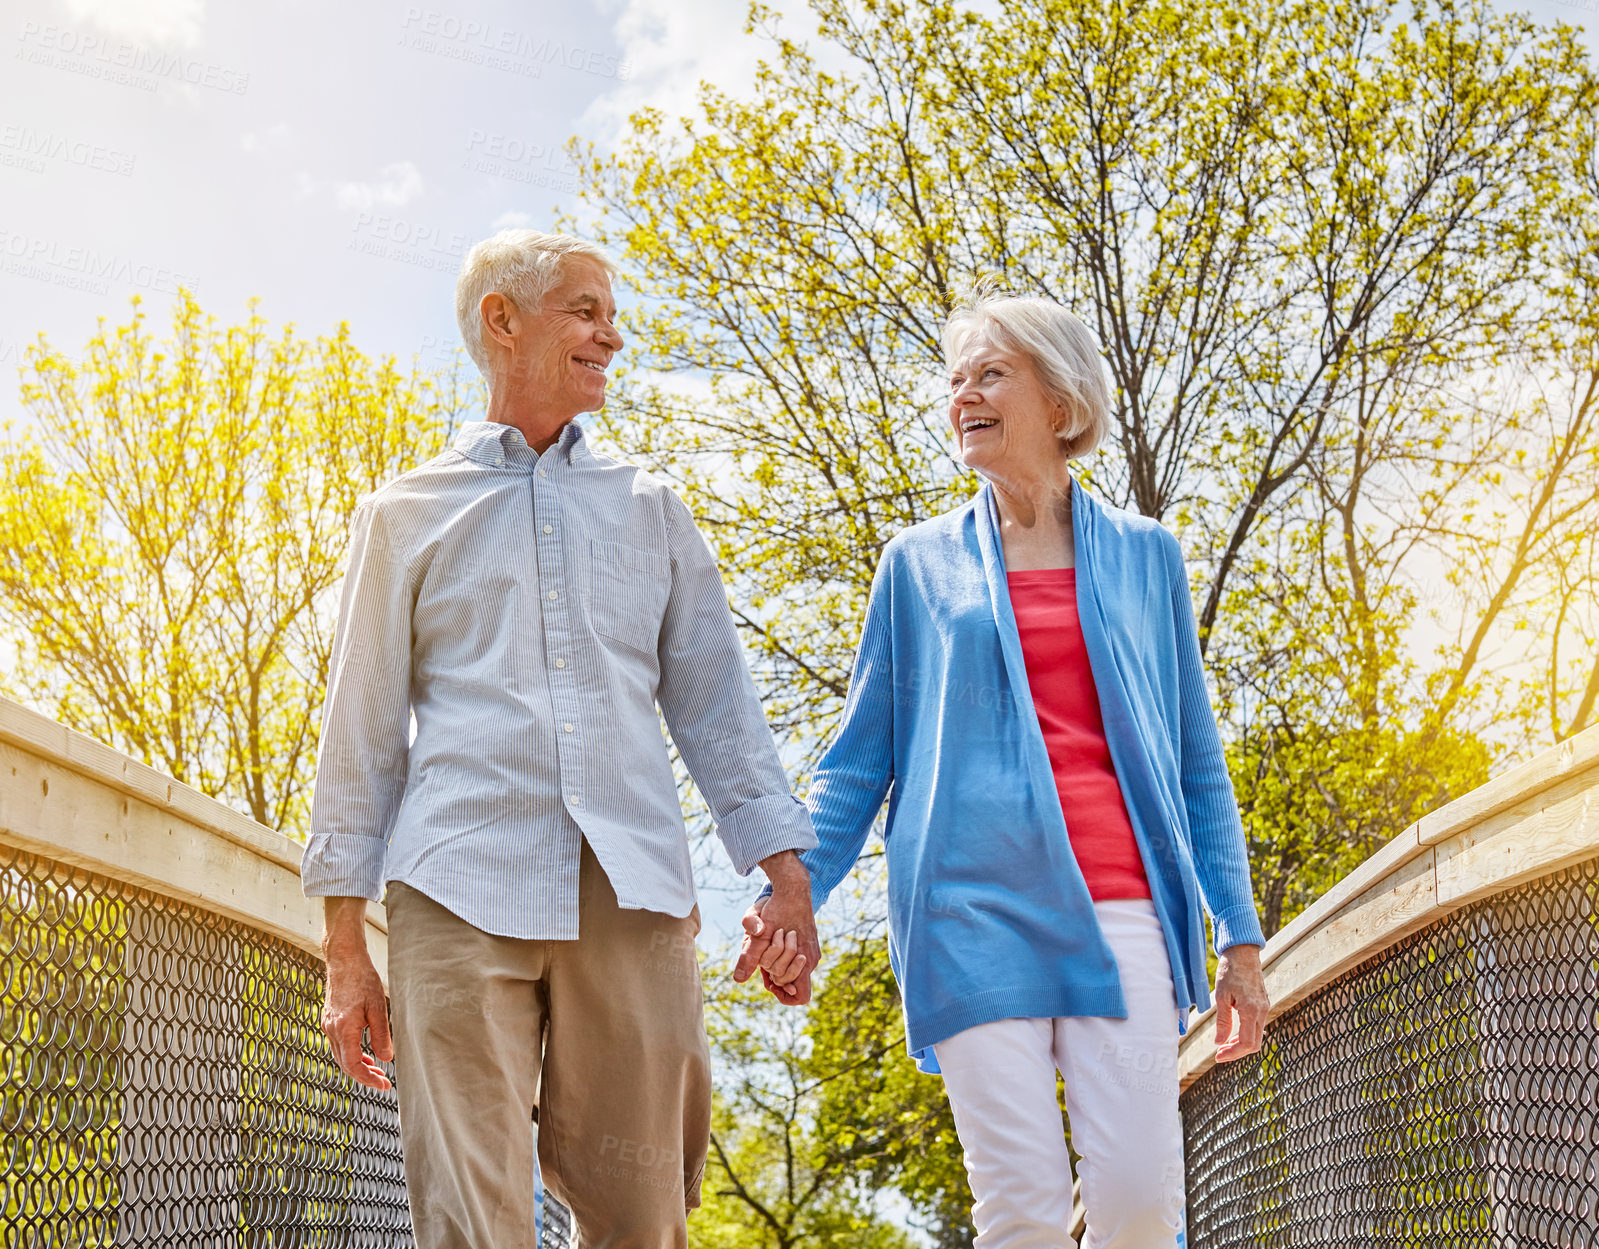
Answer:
x=67 y=797
x=1534 y=819
x=1525 y=823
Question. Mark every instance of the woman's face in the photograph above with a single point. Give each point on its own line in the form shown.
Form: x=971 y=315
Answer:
x=1000 y=412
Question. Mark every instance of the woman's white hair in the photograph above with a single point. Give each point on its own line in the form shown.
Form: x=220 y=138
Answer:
x=522 y=265
x=1062 y=349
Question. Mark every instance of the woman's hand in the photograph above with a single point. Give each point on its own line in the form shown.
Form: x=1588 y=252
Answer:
x=780 y=933
x=1240 y=993
x=785 y=956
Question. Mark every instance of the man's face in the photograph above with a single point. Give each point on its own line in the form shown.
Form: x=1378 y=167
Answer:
x=560 y=353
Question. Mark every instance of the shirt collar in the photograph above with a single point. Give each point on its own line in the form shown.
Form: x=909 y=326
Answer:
x=498 y=445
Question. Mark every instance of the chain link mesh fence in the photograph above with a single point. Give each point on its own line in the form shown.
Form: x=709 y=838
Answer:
x=164 y=1083
x=1442 y=1095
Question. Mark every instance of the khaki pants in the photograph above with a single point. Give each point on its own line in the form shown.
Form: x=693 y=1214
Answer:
x=605 y=1035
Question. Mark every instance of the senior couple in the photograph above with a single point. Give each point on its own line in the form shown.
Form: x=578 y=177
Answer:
x=1027 y=696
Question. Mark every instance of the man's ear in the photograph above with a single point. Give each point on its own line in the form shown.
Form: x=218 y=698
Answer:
x=499 y=317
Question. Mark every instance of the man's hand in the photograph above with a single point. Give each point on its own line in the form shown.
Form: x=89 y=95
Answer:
x=355 y=999
x=780 y=933
x=1240 y=993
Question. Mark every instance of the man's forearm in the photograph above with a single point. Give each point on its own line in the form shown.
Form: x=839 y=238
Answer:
x=343 y=926
x=786 y=870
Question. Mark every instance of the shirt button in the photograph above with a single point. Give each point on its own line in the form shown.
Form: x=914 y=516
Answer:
x=560 y=663
x=549 y=528
x=576 y=801
x=554 y=594
x=567 y=727
x=542 y=473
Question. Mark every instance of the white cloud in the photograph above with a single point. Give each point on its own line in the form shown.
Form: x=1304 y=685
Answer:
x=143 y=21
x=276 y=136
x=669 y=48
x=397 y=184
x=512 y=220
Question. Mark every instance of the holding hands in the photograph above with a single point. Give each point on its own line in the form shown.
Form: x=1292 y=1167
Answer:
x=780 y=933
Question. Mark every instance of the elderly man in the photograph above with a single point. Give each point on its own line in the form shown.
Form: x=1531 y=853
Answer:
x=532 y=603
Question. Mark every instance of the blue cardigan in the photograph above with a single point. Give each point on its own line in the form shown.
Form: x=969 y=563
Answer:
x=989 y=916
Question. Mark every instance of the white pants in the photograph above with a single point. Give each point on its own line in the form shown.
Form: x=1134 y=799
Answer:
x=1121 y=1099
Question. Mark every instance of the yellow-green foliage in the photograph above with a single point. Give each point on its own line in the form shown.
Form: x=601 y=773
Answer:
x=172 y=535
x=1342 y=260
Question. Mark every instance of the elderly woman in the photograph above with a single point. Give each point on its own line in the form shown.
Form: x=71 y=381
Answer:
x=1029 y=696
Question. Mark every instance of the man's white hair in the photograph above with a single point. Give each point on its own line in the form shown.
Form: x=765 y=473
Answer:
x=1062 y=349
x=522 y=265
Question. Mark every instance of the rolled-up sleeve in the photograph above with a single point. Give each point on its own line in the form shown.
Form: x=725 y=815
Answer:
x=1221 y=855
x=710 y=704
x=366 y=719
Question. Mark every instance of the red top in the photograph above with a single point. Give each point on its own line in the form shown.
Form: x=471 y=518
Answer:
x=1062 y=685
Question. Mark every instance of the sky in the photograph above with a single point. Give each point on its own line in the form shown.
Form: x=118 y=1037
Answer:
x=333 y=160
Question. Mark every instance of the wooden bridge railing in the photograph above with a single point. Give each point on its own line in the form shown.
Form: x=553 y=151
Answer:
x=1430 y=1077
x=1431 y=1073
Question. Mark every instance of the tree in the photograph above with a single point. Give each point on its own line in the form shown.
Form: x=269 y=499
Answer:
x=779 y=1176
x=174 y=529
x=892 y=1122
x=1297 y=232
x=1341 y=259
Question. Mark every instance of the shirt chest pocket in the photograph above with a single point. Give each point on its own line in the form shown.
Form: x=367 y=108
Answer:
x=628 y=589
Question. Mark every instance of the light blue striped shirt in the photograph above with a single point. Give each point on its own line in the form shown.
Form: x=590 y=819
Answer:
x=532 y=612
